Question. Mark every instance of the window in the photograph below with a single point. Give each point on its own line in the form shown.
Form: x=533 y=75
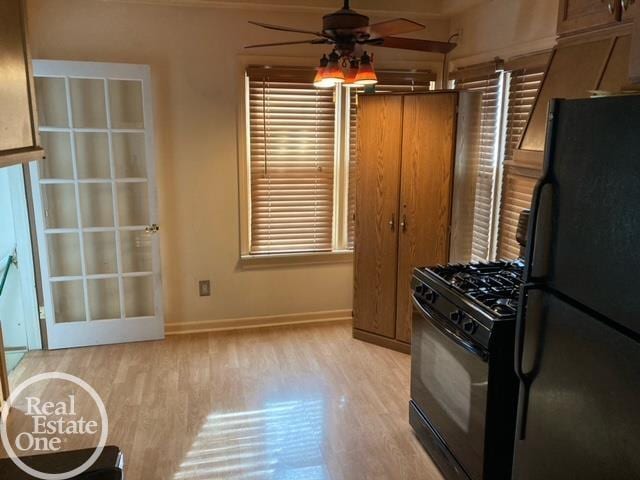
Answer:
x=292 y=149
x=518 y=182
x=490 y=84
x=301 y=159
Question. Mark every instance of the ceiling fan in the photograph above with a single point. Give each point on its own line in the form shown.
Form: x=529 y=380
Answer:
x=349 y=30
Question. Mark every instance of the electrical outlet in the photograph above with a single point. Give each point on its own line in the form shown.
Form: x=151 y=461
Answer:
x=204 y=287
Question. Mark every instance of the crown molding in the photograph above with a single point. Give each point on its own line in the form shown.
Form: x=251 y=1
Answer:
x=275 y=7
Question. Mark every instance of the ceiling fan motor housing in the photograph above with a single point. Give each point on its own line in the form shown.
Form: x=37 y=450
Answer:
x=345 y=22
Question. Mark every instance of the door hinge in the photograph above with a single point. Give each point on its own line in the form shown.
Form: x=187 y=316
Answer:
x=41 y=313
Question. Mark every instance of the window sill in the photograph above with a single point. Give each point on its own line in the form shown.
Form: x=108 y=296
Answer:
x=248 y=261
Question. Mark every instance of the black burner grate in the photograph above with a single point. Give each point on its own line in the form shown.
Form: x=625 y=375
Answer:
x=494 y=285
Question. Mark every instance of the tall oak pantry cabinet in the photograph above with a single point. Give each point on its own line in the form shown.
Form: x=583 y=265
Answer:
x=415 y=191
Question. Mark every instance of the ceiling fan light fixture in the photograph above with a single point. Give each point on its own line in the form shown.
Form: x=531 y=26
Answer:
x=319 y=81
x=333 y=72
x=352 y=73
x=366 y=73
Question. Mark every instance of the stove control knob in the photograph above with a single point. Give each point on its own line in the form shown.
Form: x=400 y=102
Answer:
x=456 y=316
x=470 y=326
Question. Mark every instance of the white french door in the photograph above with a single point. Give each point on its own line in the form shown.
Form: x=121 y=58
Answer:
x=95 y=204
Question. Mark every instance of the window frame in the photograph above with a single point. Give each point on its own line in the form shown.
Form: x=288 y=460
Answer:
x=339 y=252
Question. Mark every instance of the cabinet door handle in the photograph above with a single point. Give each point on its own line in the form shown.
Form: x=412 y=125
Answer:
x=392 y=222
x=403 y=224
x=610 y=6
x=626 y=4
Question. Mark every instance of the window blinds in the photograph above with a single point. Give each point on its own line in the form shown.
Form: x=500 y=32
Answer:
x=517 y=185
x=490 y=85
x=291 y=147
x=389 y=82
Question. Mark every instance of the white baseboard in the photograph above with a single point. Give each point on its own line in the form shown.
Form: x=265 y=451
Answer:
x=179 y=328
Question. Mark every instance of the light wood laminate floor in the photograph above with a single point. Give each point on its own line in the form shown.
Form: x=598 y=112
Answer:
x=289 y=403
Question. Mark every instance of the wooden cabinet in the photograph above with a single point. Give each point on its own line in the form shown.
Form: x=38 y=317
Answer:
x=414 y=176
x=577 y=15
x=19 y=141
x=629 y=9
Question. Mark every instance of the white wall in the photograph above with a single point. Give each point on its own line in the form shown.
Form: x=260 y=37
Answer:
x=195 y=55
x=504 y=28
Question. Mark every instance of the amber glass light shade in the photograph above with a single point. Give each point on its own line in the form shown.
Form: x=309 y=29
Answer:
x=332 y=72
x=319 y=81
x=352 y=73
x=366 y=74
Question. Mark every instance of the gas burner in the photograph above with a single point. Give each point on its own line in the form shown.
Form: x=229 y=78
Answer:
x=494 y=285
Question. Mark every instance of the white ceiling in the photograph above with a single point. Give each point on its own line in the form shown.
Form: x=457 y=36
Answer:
x=396 y=7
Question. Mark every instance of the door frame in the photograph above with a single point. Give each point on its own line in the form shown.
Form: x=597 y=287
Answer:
x=140 y=328
x=25 y=254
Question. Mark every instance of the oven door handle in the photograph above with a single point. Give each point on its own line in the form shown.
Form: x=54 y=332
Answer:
x=457 y=339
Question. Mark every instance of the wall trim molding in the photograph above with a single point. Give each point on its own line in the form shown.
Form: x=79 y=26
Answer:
x=275 y=7
x=181 y=328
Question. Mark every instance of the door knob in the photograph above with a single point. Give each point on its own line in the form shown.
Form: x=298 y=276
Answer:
x=392 y=221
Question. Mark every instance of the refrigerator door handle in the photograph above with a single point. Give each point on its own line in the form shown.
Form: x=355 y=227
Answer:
x=525 y=378
x=536 y=252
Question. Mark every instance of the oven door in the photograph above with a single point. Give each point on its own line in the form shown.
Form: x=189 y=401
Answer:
x=449 y=376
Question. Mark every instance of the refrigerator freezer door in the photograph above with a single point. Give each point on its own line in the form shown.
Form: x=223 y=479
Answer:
x=582 y=417
x=592 y=199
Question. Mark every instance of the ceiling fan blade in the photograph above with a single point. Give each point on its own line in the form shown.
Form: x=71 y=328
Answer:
x=393 y=27
x=313 y=41
x=286 y=29
x=416 y=44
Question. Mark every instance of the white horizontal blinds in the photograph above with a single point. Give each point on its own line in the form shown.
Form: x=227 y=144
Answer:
x=292 y=132
x=388 y=82
x=490 y=85
x=352 y=152
x=517 y=185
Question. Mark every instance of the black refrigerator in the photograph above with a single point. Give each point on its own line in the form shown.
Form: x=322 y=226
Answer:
x=578 y=332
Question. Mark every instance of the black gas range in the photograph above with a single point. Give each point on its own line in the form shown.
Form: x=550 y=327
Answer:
x=463 y=386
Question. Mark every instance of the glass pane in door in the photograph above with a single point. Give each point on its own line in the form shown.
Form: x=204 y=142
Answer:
x=136 y=251
x=129 y=155
x=138 y=296
x=100 y=253
x=58 y=163
x=125 y=99
x=133 y=204
x=68 y=301
x=87 y=103
x=96 y=205
x=92 y=155
x=52 y=102
x=104 y=298
x=64 y=254
x=60 y=205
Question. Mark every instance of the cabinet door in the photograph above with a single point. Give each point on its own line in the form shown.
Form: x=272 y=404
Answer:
x=575 y=15
x=629 y=9
x=428 y=148
x=15 y=99
x=376 y=242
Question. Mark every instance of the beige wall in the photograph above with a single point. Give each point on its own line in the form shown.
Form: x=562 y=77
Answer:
x=504 y=28
x=195 y=55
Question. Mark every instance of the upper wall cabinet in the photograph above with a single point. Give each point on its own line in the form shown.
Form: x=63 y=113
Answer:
x=578 y=15
x=19 y=141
